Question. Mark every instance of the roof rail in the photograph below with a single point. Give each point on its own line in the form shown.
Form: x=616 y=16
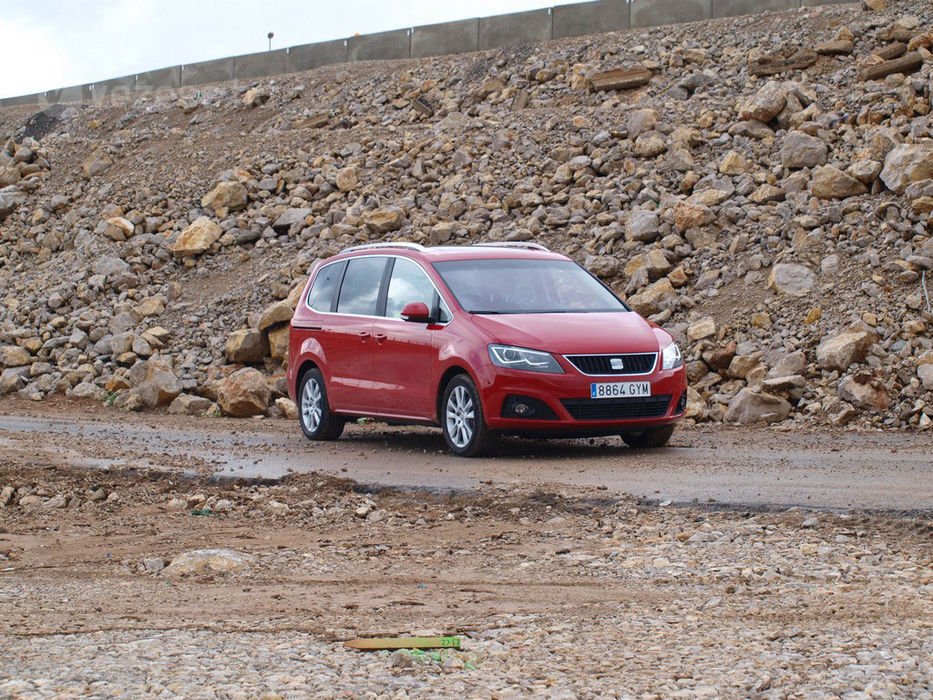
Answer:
x=391 y=244
x=527 y=245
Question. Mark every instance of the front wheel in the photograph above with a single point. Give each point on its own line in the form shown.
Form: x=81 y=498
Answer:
x=462 y=420
x=652 y=437
x=314 y=414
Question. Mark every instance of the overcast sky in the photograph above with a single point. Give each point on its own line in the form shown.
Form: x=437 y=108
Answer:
x=57 y=43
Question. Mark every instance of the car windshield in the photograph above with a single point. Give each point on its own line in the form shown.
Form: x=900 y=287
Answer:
x=506 y=286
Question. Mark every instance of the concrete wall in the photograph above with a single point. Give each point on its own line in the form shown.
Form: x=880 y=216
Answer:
x=589 y=18
x=429 y=40
x=516 y=28
x=440 y=39
x=381 y=46
x=159 y=79
x=731 y=8
x=259 y=65
x=653 y=13
x=207 y=72
x=308 y=56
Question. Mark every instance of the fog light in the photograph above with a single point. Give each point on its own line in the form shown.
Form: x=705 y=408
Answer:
x=523 y=409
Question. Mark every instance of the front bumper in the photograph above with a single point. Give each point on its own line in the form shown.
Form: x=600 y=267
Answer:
x=570 y=410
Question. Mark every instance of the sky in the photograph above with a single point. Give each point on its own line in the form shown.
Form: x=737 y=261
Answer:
x=50 y=44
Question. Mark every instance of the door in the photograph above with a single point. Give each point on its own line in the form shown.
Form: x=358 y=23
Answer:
x=349 y=355
x=404 y=352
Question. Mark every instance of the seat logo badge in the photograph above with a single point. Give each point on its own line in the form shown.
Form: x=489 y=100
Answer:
x=616 y=363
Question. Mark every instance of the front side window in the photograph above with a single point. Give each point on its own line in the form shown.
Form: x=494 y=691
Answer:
x=321 y=296
x=507 y=286
x=359 y=292
x=409 y=283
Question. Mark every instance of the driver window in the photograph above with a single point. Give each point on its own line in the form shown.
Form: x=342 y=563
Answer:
x=409 y=283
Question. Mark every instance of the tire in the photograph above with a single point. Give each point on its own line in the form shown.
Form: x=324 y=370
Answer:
x=314 y=414
x=652 y=437
x=462 y=420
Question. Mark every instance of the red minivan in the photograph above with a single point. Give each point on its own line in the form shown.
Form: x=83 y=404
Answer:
x=484 y=340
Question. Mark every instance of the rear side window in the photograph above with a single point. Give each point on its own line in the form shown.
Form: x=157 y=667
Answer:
x=359 y=293
x=409 y=283
x=321 y=296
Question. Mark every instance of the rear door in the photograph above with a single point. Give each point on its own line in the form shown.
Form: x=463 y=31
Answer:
x=404 y=353
x=349 y=329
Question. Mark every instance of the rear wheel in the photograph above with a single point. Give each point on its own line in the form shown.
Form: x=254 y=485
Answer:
x=652 y=437
x=462 y=420
x=314 y=414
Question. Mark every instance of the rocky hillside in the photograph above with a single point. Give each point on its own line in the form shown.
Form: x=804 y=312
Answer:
x=761 y=186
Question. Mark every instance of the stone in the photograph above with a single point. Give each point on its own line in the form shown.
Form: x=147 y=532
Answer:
x=249 y=345
x=201 y=562
x=256 y=97
x=14 y=356
x=287 y=407
x=794 y=363
x=654 y=297
x=750 y=406
x=791 y=279
x=96 y=163
x=118 y=229
x=291 y=217
x=688 y=215
x=10 y=199
x=925 y=375
x=197 y=238
x=907 y=163
x=650 y=145
x=800 y=150
x=863 y=393
x=642 y=226
x=244 y=393
x=154 y=382
x=9 y=175
x=865 y=171
x=274 y=314
x=278 y=342
x=12 y=380
x=347 y=179
x=226 y=197
x=384 y=220
x=829 y=182
x=766 y=104
x=704 y=328
x=840 y=351
x=188 y=405
x=734 y=163
x=153 y=306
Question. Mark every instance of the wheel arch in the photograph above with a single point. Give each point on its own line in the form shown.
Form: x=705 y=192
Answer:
x=442 y=383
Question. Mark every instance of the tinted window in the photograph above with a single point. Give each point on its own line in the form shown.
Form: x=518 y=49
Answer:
x=321 y=296
x=360 y=289
x=409 y=283
x=526 y=286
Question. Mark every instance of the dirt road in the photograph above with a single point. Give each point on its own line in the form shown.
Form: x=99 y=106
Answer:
x=747 y=467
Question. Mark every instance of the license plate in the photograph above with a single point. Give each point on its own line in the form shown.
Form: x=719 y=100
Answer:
x=619 y=390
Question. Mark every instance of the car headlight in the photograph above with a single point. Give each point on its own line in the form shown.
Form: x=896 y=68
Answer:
x=522 y=358
x=670 y=357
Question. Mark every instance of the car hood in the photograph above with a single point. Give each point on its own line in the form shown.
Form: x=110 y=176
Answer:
x=572 y=333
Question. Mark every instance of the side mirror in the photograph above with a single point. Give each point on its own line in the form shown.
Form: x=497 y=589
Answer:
x=417 y=312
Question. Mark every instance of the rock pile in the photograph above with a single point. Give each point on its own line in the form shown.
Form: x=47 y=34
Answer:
x=753 y=184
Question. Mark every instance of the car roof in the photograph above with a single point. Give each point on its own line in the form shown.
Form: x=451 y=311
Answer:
x=478 y=251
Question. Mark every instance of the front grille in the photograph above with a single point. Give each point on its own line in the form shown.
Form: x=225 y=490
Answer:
x=612 y=409
x=632 y=363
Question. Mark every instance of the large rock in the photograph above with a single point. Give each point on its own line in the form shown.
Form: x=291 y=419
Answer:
x=654 y=297
x=14 y=356
x=907 y=163
x=96 y=163
x=188 y=405
x=13 y=379
x=832 y=183
x=291 y=217
x=274 y=314
x=10 y=198
x=751 y=406
x=792 y=279
x=840 y=351
x=154 y=382
x=862 y=393
x=9 y=175
x=248 y=345
x=801 y=150
x=197 y=238
x=384 y=220
x=688 y=215
x=209 y=561
x=244 y=393
x=642 y=226
x=347 y=179
x=278 y=342
x=767 y=103
x=226 y=197
x=119 y=229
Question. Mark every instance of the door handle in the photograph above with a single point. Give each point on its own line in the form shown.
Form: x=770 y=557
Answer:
x=364 y=335
x=380 y=337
